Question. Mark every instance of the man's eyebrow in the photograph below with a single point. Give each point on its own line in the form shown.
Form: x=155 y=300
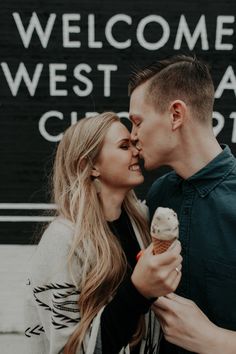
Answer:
x=131 y=117
x=134 y=116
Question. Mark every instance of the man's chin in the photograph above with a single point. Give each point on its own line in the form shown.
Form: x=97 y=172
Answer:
x=148 y=166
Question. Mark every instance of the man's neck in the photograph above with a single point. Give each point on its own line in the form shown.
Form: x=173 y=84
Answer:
x=195 y=156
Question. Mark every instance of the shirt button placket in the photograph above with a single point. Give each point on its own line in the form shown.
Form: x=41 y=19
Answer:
x=185 y=220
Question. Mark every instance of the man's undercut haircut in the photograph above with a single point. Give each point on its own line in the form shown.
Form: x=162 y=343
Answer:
x=178 y=78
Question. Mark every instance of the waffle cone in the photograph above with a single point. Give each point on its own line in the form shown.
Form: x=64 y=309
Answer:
x=160 y=246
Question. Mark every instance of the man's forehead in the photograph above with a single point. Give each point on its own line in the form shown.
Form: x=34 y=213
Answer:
x=141 y=90
x=138 y=100
x=137 y=107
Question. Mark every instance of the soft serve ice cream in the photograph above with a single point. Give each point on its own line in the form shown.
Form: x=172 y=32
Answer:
x=164 y=229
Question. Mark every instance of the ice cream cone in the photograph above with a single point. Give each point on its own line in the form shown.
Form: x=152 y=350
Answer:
x=164 y=229
x=160 y=246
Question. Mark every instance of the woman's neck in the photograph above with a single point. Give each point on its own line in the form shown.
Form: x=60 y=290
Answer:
x=112 y=202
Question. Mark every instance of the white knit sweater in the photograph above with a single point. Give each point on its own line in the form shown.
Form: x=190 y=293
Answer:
x=51 y=301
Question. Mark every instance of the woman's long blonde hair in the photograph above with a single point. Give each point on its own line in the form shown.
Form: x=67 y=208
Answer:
x=103 y=262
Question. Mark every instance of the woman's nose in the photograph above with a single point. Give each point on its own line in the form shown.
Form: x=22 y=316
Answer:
x=135 y=151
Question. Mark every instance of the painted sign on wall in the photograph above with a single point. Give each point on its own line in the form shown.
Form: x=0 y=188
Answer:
x=61 y=61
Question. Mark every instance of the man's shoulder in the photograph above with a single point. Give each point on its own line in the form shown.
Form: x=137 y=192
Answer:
x=168 y=180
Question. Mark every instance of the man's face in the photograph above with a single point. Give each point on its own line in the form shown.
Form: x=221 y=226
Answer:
x=151 y=130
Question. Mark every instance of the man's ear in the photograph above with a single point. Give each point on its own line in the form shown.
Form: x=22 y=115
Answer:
x=95 y=173
x=178 y=111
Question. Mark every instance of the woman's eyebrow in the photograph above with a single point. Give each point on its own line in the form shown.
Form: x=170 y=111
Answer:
x=123 y=140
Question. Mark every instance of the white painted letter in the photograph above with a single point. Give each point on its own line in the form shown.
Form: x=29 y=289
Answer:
x=233 y=116
x=54 y=78
x=42 y=123
x=88 y=83
x=107 y=68
x=67 y=30
x=228 y=82
x=221 y=31
x=183 y=30
x=91 y=33
x=109 y=35
x=91 y=114
x=220 y=123
x=141 y=27
x=123 y=115
x=34 y=23
x=22 y=73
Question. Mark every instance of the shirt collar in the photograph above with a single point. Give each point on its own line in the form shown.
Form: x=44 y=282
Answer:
x=206 y=179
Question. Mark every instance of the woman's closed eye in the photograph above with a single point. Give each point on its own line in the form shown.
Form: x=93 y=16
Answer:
x=125 y=146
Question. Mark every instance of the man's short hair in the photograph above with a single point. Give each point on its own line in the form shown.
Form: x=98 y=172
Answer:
x=179 y=77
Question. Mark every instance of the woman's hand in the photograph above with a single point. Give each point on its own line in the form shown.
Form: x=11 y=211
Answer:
x=160 y=274
x=185 y=325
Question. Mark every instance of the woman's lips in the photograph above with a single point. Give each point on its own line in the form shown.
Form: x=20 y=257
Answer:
x=135 y=167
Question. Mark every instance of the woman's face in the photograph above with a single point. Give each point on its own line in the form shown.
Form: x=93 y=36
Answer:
x=117 y=163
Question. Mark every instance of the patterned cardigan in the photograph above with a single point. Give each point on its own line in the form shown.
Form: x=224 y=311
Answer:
x=51 y=299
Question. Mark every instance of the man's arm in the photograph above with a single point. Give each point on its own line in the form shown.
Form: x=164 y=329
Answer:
x=186 y=326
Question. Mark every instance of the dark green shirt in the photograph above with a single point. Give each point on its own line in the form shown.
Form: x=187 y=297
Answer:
x=206 y=208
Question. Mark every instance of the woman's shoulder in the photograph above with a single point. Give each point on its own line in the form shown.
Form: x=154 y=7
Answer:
x=49 y=263
x=62 y=223
x=55 y=242
x=59 y=229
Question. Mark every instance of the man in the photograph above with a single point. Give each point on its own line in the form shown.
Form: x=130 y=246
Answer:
x=171 y=107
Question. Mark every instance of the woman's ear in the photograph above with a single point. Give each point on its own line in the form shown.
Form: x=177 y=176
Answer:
x=95 y=173
x=178 y=111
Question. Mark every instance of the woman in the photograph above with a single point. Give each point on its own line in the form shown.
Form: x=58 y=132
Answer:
x=86 y=293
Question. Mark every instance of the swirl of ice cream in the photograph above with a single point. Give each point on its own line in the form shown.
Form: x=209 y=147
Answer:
x=165 y=225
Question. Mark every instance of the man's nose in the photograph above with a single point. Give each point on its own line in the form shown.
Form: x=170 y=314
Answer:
x=133 y=135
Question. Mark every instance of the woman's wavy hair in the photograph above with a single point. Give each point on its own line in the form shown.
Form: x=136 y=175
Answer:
x=102 y=261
